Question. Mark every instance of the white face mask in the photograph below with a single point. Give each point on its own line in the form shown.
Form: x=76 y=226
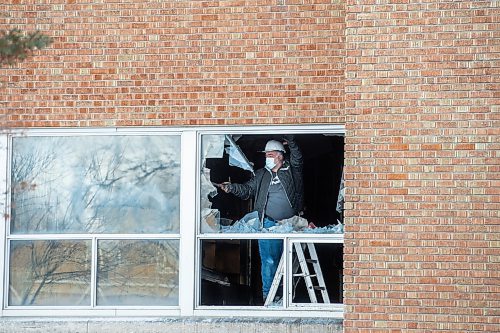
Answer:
x=270 y=164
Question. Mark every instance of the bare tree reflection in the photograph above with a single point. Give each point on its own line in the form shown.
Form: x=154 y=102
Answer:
x=141 y=272
x=112 y=184
x=25 y=199
x=40 y=268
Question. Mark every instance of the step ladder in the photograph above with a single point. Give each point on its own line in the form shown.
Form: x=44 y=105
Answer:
x=301 y=263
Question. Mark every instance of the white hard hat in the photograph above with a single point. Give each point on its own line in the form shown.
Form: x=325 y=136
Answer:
x=273 y=145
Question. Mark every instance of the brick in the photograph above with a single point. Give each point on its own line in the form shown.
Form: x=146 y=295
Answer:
x=214 y=46
x=414 y=54
x=414 y=83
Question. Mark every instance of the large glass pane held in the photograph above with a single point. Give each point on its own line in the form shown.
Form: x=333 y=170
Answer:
x=49 y=272
x=138 y=272
x=95 y=184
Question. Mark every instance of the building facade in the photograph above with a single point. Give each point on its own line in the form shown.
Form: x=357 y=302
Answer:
x=397 y=100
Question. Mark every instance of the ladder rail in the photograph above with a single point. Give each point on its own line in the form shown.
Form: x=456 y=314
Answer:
x=319 y=273
x=305 y=273
x=305 y=270
x=276 y=281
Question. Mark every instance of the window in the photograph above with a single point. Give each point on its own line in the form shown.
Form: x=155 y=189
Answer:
x=94 y=221
x=305 y=247
x=134 y=222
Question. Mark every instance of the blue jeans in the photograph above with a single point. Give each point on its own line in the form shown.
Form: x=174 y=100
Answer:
x=270 y=254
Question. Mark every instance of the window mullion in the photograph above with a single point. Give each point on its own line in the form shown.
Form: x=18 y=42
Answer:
x=189 y=162
x=93 y=273
x=3 y=212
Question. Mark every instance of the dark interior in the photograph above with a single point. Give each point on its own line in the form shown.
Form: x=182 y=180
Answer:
x=231 y=268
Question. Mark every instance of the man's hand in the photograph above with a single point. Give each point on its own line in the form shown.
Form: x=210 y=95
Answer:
x=226 y=187
x=288 y=138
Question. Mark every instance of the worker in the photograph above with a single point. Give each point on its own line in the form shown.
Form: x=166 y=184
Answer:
x=277 y=190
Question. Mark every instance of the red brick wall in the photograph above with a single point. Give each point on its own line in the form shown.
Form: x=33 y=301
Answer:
x=422 y=241
x=132 y=62
x=422 y=92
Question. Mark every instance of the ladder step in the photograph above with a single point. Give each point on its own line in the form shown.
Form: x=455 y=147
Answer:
x=312 y=261
x=304 y=275
x=317 y=288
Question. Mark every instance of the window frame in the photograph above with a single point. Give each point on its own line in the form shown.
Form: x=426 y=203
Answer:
x=319 y=239
x=320 y=310
x=85 y=310
x=189 y=235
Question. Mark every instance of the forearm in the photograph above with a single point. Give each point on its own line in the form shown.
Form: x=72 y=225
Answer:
x=296 y=159
x=242 y=191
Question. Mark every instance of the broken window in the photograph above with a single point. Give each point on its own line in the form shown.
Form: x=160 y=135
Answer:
x=234 y=241
x=110 y=222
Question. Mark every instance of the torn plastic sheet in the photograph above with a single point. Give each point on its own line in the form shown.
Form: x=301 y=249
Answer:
x=250 y=223
x=340 y=199
x=207 y=189
x=329 y=229
x=236 y=156
x=247 y=224
x=289 y=228
x=212 y=145
x=296 y=222
x=210 y=220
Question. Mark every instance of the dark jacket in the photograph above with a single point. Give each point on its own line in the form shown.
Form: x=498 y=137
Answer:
x=290 y=175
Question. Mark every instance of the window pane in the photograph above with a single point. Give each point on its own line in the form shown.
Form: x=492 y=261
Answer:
x=95 y=184
x=239 y=271
x=317 y=273
x=134 y=272
x=51 y=272
x=303 y=195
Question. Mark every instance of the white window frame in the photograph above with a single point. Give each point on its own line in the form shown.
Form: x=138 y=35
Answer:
x=189 y=236
x=320 y=310
x=92 y=309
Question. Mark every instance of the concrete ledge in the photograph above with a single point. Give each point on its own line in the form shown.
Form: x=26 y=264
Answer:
x=170 y=325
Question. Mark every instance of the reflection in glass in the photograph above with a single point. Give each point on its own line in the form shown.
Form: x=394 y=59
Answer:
x=49 y=272
x=132 y=272
x=95 y=184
